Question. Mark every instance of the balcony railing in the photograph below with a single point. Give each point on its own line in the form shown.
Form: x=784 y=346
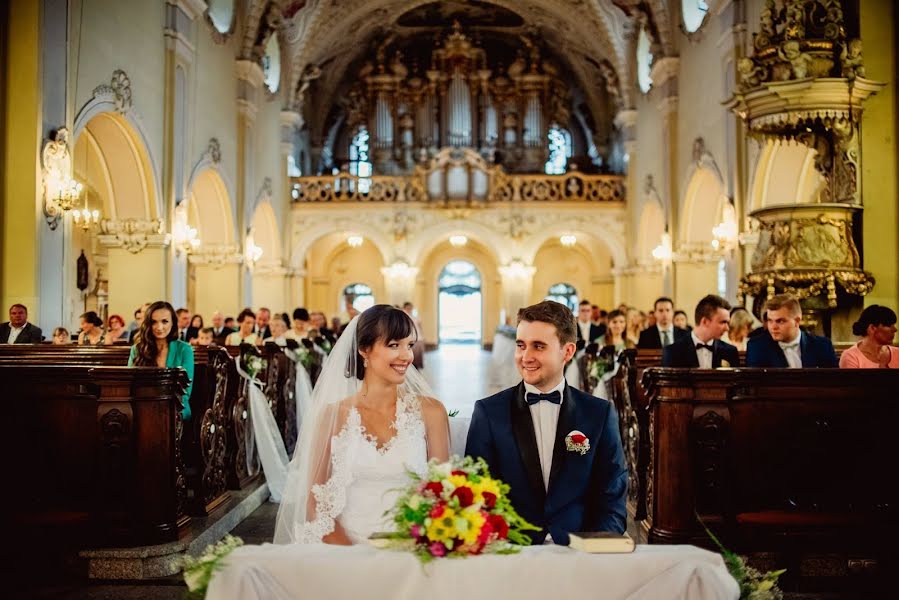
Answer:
x=570 y=187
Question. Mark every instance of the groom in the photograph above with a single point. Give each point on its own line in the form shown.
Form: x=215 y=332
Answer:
x=557 y=447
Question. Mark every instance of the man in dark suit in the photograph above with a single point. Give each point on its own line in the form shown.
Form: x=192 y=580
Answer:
x=557 y=447
x=262 y=329
x=185 y=332
x=663 y=333
x=219 y=331
x=587 y=330
x=702 y=348
x=18 y=330
x=785 y=345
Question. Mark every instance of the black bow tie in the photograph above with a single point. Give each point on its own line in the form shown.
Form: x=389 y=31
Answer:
x=554 y=397
x=706 y=346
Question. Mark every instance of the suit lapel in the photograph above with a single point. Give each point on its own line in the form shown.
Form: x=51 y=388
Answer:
x=804 y=354
x=564 y=426
x=716 y=354
x=779 y=352
x=523 y=429
x=691 y=352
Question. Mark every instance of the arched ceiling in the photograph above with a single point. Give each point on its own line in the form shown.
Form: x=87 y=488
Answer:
x=333 y=34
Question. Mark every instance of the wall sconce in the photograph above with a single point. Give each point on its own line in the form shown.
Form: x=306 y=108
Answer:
x=252 y=252
x=184 y=237
x=61 y=192
x=85 y=218
x=568 y=240
x=663 y=252
x=725 y=233
x=458 y=241
x=354 y=241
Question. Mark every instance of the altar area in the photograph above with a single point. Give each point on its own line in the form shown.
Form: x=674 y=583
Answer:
x=538 y=573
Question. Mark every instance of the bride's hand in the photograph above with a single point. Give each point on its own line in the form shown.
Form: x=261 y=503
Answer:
x=338 y=537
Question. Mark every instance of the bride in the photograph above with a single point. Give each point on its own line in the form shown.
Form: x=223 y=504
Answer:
x=372 y=419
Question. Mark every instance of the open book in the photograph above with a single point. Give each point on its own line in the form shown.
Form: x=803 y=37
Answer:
x=601 y=542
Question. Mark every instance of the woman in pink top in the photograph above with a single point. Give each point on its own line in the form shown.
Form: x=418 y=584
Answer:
x=877 y=327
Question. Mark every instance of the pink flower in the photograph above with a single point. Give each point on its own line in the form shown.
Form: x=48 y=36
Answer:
x=437 y=549
x=415 y=531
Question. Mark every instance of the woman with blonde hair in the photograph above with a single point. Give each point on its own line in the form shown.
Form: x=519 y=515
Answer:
x=634 y=320
x=741 y=324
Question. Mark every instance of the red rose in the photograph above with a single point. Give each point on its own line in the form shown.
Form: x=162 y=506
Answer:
x=435 y=487
x=486 y=532
x=499 y=525
x=465 y=496
x=458 y=472
x=577 y=438
x=437 y=511
x=489 y=499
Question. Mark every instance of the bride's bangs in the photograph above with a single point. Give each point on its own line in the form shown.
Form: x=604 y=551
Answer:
x=397 y=326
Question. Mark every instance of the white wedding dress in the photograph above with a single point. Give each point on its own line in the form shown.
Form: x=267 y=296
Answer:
x=366 y=479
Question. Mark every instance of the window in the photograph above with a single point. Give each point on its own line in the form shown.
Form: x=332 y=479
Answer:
x=564 y=293
x=460 y=277
x=271 y=64
x=559 y=150
x=360 y=166
x=644 y=62
x=221 y=13
x=361 y=295
x=694 y=12
x=722 y=278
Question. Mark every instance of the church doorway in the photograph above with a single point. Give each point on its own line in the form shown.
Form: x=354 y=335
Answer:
x=459 y=303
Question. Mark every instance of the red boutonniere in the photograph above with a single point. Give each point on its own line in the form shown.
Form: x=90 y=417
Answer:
x=577 y=442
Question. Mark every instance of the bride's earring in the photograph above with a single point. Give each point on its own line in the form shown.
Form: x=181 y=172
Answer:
x=365 y=363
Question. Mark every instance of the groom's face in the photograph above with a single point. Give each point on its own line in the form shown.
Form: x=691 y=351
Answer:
x=539 y=355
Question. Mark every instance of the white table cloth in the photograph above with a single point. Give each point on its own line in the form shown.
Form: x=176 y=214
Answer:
x=319 y=572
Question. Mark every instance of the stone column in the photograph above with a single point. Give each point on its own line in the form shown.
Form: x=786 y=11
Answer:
x=296 y=288
x=664 y=82
x=179 y=58
x=249 y=85
x=217 y=270
x=134 y=246
x=517 y=279
x=269 y=281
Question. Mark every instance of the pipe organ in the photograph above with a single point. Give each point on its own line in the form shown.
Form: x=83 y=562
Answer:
x=464 y=99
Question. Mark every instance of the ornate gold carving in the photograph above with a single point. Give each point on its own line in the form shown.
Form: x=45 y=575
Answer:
x=133 y=234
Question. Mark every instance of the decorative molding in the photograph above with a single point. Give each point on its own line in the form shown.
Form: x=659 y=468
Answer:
x=118 y=91
x=133 y=234
x=626 y=119
x=56 y=168
x=216 y=256
x=272 y=268
x=663 y=70
x=265 y=191
x=191 y=8
x=249 y=71
x=213 y=152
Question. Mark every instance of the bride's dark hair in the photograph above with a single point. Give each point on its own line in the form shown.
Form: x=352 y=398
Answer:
x=380 y=322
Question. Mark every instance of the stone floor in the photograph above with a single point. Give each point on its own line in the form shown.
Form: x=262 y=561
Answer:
x=459 y=375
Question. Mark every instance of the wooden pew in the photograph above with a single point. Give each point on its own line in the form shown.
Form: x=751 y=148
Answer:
x=203 y=444
x=796 y=461
x=94 y=454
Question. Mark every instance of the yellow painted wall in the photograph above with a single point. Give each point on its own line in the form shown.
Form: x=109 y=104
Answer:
x=269 y=291
x=216 y=290
x=135 y=279
x=19 y=169
x=693 y=281
x=329 y=274
x=879 y=177
x=644 y=288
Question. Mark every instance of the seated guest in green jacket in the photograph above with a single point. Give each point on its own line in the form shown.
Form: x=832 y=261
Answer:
x=156 y=344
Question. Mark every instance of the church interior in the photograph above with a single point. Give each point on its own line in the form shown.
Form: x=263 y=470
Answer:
x=464 y=159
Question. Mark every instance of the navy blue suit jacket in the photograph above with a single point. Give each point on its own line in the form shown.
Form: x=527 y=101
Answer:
x=816 y=351
x=586 y=492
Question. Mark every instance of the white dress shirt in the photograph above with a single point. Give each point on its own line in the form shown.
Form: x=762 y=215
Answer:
x=14 y=333
x=792 y=352
x=703 y=354
x=670 y=330
x=585 y=330
x=545 y=416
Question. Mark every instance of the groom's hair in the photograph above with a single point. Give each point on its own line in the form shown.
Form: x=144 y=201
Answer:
x=380 y=322
x=555 y=314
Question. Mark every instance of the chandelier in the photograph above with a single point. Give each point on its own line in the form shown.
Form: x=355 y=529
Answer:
x=184 y=237
x=568 y=240
x=458 y=241
x=663 y=252
x=252 y=253
x=354 y=241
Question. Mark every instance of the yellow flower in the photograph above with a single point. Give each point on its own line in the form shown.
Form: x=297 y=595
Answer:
x=457 y=480
x=473 y=522
x=442 y=528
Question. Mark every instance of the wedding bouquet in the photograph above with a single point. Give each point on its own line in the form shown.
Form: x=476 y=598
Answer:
x=198 y=571
x=251 y=360
x=457 y=510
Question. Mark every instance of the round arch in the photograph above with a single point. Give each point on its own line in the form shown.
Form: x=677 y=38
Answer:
x=785 y=174
x=210 y=209
x=111 y=157
x=312 y=235
x=599 y=239
x=703 y=206
x=424 y=243
x=266 y=235
x=650 y=230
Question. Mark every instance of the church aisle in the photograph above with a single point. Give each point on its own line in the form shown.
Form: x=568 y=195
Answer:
x=459 y=375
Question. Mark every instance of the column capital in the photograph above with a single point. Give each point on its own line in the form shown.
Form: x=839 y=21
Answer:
x=664 y=69
x=216 y=256
x=191 y=8
x=249 y=71
x=133 y=234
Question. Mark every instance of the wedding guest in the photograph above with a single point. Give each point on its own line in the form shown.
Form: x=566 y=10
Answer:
x=196 y=322
x=185 y=332
x=206 y=337
x=92 y=333
x=634 y=325
x=115 y=330
x=680 y=320
x=702 y=348
x=139 y=316
x=615 y=335
x=263 y=316
x=61 y=336
x=649 y=319
x=18 y=330
x=663 y=333
x=158 y=346
x=230 y=324
x=599 y=316
x=246 y=321
x=785 y=345
x=219 y=331
x=877 y=327
x=587 y=492
x=301 y=324
x=278 y=327
x=741 y=323
x=587 y=331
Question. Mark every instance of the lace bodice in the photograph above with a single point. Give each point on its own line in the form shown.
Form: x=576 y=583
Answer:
x=365 y=479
